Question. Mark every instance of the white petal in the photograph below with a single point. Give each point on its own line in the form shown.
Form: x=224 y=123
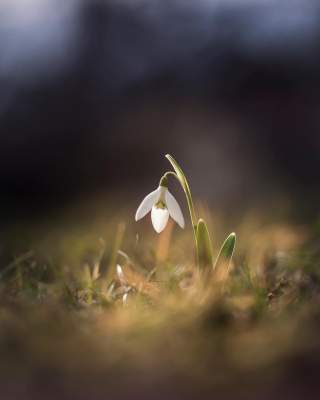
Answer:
x=147 y=204
x=159 y=218
x=174 y=209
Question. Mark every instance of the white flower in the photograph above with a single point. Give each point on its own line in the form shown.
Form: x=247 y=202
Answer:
x=162 y=204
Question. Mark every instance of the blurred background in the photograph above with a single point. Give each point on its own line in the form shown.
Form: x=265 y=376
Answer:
x=94 y=93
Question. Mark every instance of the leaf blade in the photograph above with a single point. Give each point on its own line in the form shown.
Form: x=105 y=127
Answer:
x=224 y=258
x=204 y=247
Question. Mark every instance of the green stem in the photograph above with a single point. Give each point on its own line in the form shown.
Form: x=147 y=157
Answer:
x=189 y=199
x=180 y=176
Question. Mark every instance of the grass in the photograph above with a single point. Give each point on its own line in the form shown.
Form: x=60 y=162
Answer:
x=66 y=330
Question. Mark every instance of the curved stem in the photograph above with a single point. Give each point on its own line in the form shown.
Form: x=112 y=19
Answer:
x=188 y=195
x=170 y=173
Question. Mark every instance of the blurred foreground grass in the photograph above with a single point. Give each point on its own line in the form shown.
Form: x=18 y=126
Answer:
x=65 y=329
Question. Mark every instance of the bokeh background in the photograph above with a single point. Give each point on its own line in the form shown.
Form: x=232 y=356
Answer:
x=93 y=93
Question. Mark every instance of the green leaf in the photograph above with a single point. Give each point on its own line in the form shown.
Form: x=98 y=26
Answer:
x=204 y=248
x=225 y=255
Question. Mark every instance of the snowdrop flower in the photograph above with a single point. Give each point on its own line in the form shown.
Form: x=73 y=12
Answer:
x=162 y=204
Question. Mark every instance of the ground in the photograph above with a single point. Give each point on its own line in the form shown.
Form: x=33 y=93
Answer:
x=70 y=326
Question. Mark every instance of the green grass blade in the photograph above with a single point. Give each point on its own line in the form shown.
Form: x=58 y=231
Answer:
x=117 y=244
x=226 y=252
x=204 y=247
x=19 y=260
